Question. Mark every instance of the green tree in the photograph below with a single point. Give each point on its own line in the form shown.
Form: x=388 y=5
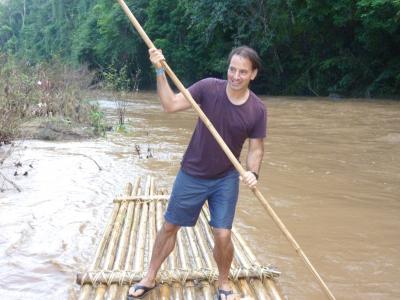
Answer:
x=312 y=47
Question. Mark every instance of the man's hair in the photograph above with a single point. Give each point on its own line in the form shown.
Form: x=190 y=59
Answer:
x=247 y=52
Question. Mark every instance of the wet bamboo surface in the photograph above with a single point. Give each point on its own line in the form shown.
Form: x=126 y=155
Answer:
x=190 y=272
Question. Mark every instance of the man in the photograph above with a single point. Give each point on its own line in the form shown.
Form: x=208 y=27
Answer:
x=206 y=172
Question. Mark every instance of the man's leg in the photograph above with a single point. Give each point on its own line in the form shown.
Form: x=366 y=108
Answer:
x=163 y=246
x=223 y=255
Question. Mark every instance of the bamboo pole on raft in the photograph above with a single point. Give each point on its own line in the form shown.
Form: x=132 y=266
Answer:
x=269 y=284
x=124 y=240
x=189 y=293
x=207 y=293
x=206 y=242
x=137 y=243
x=87 y=288
x=138 y=240
x=210 y=242
x=172 y=260
x=259 y=289
x=244 y=286
x=151 y=227
x=141 y=239
x=242 y=258
x=147 y=234
x=132 y=240
x=113 y=245
x=165 y=292
x=229 y=153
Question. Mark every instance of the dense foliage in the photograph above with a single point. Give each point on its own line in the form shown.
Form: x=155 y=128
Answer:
x=348 y=47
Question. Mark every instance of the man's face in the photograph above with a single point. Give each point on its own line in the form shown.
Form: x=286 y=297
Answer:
x=240 y=73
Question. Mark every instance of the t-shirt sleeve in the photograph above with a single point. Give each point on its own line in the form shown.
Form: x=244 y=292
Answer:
x=197 y=89
x=260 y=125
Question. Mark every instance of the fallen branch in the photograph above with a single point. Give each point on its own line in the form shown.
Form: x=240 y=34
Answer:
x=7 y=154
x=87 y=156
x=11 y=182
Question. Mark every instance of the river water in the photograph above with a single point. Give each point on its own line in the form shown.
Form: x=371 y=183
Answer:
x=331 y=171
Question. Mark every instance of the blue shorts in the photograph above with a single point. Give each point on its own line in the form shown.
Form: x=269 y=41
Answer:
x=189 y=194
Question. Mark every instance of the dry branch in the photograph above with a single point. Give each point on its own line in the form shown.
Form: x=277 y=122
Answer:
x=11 y=182
x=87 y=156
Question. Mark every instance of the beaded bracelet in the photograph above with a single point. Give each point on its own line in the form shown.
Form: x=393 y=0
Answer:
x=160 y=71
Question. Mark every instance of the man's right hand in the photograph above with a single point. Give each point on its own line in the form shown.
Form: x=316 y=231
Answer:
x=249 y=179
x=156 y=57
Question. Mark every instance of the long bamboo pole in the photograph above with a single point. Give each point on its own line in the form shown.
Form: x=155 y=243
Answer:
x=228 y=152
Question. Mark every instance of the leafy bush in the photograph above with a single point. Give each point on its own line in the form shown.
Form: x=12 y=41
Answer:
x=97 y=120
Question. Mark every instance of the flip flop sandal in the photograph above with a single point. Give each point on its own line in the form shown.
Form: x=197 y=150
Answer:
x=225 y=293
x=146 y=291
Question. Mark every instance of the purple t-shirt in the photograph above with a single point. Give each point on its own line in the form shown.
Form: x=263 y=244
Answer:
x=235 y=123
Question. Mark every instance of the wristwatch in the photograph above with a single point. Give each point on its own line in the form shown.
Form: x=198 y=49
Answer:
x=255 y=174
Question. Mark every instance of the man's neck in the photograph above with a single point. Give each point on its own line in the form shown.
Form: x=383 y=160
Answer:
x=237 y=97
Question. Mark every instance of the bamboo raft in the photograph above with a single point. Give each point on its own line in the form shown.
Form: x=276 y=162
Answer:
x=189 y=272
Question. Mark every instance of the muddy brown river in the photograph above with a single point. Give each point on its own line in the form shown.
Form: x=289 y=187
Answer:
x=331 y=171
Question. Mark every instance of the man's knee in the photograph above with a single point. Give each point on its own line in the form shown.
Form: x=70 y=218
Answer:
x=170 y=229
x=222 y=237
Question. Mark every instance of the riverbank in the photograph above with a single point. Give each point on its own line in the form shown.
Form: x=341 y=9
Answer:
x=55 y=129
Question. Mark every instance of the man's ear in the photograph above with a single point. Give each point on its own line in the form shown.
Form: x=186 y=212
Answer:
x=254 y=74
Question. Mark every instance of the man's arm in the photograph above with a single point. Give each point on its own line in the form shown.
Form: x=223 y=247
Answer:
x=170 y=101
x=253 y=161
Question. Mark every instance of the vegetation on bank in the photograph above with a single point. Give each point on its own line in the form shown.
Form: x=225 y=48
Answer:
x=313 y=47
x=48 y=91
